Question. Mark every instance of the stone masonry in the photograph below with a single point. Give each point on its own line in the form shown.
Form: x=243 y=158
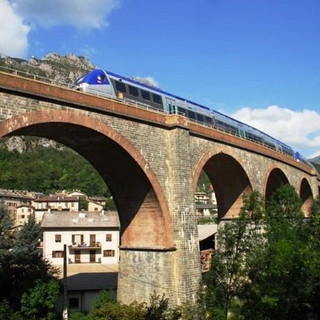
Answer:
x=151 y=162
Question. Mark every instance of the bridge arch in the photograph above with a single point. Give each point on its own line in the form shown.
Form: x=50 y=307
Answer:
x=229 y=179
x=274 y=179
x=143 y=210
x=306 y=196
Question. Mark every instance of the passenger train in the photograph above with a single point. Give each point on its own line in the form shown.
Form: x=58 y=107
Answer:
x=106 y=83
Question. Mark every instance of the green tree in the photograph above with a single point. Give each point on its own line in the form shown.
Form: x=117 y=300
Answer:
x=281 y=281
x=39 y=302
x=237 y=240
x=6 y=255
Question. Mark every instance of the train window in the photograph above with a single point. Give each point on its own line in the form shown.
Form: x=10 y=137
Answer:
x=182 y=111
x=208 y=120
x=145 y=95
x=156 y=98
x=191 y=115
x=133 y=91
x=200 y=117
x=120 y=86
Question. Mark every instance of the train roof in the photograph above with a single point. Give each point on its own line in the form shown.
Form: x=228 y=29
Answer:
x=188 y=101
x=156 y=89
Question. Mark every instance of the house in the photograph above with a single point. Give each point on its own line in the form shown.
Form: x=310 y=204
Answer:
x=93 y=206
x=22 y=214
x=92 y=253
x=12 y=199
x=58 y=202
x=91 y=237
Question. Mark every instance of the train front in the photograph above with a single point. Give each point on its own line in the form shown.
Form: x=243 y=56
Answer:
x=95 y=82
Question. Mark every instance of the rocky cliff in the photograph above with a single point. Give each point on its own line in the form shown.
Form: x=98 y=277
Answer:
x=65 y=69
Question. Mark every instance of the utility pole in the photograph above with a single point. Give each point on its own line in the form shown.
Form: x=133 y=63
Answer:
x=65 y=285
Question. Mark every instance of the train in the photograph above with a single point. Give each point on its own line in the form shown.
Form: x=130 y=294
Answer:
x=109 y=84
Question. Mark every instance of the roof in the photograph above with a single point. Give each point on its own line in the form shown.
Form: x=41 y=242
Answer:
x=58 y=219
x=206 y=206
x=93 y=276
x=206 y=230
x=58 y=198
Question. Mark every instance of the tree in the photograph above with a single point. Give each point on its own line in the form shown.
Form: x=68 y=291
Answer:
x=39 y=301
x=237 y=240
x=21 y=264
x=281 y=279
x=6 y=257
x=268 y=263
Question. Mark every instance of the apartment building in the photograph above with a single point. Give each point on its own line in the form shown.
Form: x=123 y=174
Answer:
x=57 y=202
x=91 y=237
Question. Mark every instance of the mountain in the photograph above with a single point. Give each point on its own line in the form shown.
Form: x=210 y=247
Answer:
x=315 y=160
x=65 y=69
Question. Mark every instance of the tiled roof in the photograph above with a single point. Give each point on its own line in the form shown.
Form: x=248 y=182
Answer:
x=58 y=198
x=56 y=219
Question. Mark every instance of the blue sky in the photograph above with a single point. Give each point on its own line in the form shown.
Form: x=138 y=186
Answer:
x=256 y=60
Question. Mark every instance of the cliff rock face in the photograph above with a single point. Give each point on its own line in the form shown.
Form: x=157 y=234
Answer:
x=64 y=69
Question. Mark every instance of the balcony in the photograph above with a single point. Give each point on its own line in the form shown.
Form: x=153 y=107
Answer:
x=84 y=246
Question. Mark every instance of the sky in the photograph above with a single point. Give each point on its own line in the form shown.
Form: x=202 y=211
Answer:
x=255 y=60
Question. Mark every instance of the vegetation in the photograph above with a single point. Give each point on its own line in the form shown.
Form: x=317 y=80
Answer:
x=28 y=287
x=268 y=265
x=47 y=170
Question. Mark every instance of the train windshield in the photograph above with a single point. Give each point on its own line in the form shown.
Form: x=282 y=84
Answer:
x=94 y=77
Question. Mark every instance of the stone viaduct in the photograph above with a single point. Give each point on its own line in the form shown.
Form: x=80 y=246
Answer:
x=151 y=162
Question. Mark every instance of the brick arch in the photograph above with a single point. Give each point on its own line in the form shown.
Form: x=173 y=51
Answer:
x=306 y=196
x=274 y=179
x=142 y=206
x=230 y=181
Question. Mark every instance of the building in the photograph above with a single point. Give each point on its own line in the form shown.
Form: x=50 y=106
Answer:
x=13 y=199
x=91 y=237
x=22 y=214
x=92 y=253
x=93 y=206
x=57 y=202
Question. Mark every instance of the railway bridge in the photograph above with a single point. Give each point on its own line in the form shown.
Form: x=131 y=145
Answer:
x=151 y=162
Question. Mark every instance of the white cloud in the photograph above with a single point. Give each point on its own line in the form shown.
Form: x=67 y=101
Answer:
x=299 y=129
x=13 y=32
x=147 y=80
x=76 y=13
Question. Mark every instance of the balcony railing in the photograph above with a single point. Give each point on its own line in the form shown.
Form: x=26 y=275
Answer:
x=84 y=246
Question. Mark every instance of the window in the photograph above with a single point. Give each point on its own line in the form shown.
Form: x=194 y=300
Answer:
x=191 y=115
x=57 y=237
x=156 y=98
x=120 y=86
x=182 y=111
x=108 y=237
x=108 y=253
x=74 y=303
x=145 y=95
x=133 y=91
x=77 y=239
x=200 y=117
x=57 y=254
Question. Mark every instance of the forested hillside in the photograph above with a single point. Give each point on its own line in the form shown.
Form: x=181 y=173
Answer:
x=47 y=170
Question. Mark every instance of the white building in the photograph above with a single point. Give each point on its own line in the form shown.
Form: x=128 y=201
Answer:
x=91 y=237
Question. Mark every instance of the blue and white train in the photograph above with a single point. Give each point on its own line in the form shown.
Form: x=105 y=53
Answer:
x=106 y=83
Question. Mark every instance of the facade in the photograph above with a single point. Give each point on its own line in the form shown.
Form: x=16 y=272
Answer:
x=60 y=203
x=13 y=199
x=22 y=214
x=93 y=206
x=91 y=237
